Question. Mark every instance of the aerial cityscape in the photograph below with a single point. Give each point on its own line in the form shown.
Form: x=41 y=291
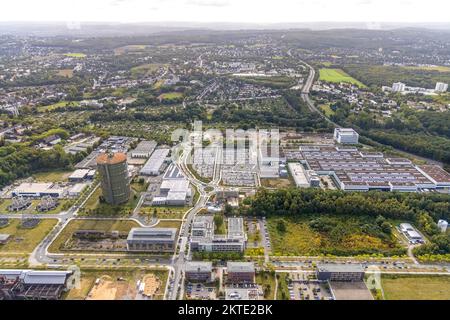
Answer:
x=236 y=163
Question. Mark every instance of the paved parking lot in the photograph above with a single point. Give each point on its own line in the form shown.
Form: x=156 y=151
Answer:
x=200 y=291
x=309 y=290
x=247 y=292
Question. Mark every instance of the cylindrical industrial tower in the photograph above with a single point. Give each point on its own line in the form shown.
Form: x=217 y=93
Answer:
x=114 y=177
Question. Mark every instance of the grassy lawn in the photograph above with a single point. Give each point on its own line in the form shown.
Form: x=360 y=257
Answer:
x=405 y=287
x=429 y=68
x=171 y=96
x=267 y=281
x=282 y=291
x=94 y=207
x=145 y=69
x=90 y=224
x=165 y=212
x=75 y=55
x=338 y=235
x=57 y=105
x=25 y=240
x=52 y=176
x=338 y=76
x=126 y=287
x=326 y=109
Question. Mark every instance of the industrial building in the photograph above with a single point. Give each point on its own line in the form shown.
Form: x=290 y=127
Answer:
x=340 y=272
x=354 y=170
x=204 y=239
x=411 y=233
x=152 y=239
x=174 y=189
x=144 y=149
x=346 y=136
x=198 y=271
x=32 y=284
x=37 y=190
x=240 y=272
x=113 y=170
x=154 y=165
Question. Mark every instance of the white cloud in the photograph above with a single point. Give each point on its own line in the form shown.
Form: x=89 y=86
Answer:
x=258 y=11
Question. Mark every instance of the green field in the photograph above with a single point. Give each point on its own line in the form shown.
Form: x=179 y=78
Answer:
x=171 y=96
x=283 y=290
x=405 y=287
x=93 y=206
x=326 y=109
x=75 y=55
x=90 y=224
x=267 y=281
x=165 y=212
x=429 y=68
x=336 y=235
x=338 y=76
x=52 y=176
x=25 y=240
x=145 y=69
x=57 y=105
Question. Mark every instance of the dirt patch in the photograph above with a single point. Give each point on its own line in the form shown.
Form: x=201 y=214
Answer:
x=152 y=285
x=106 y=288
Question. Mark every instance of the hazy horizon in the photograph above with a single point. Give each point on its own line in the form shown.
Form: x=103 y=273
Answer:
x=226 y=11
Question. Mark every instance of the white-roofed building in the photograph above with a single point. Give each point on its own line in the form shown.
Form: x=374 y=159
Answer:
x=153 y=166
x=144 y=149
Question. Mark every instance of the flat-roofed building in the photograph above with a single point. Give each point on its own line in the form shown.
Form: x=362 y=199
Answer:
x=152 y=239
x=352 y=170
x=79 y=175
x=298 y=172
x=437 y=175
x=153 y=166
x=340 y=272
x=240 y=272
x=204 y=239
x=144 y=149
x=346 y=136
x=411 y=233
x=37 y=190
x=198 y=271
x=18 y=284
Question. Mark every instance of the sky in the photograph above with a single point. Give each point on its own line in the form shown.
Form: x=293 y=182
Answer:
x=250 y=11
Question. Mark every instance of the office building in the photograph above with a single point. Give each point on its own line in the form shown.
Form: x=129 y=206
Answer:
x=152 y=239
x=204 y=239
x=340 y=272
x=346 y=136
x=198 y=271
x=240 y=272
x=115 y=183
